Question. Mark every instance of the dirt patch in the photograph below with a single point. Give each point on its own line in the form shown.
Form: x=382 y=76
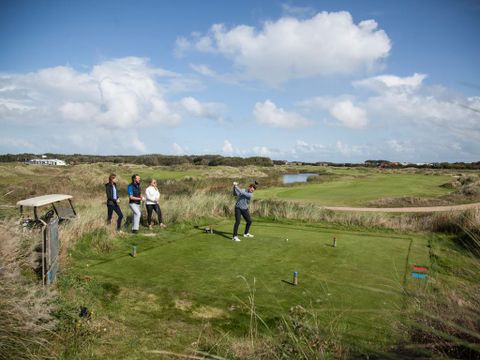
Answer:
x=208 y=312
x=407 y=209
x=183 y=304
x=243 y=349
x=405 y=201
x=152 y=298
x=110 y=328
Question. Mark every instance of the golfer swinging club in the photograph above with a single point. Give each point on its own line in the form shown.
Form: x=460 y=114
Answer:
x=241 y=209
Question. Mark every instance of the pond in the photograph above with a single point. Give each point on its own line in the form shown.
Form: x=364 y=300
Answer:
x=297 y=178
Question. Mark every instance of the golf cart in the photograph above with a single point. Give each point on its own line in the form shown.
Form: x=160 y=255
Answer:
x=56 y=211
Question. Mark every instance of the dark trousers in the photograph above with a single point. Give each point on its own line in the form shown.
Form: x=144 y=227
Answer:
x=246 y=215
x=150 y=209
x=118 y=211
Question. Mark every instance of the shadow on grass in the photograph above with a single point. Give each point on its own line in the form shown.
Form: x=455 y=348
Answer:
x=226 y=235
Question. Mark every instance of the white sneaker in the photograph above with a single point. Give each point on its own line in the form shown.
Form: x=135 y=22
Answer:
x=247 y=235
x=235 y=238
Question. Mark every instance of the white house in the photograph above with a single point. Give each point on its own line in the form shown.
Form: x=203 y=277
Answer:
x=46 y=162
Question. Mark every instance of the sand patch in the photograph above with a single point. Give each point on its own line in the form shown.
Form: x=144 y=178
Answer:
x=152 y=298
x=208 y=312
x=183 y=304
x=150 y=234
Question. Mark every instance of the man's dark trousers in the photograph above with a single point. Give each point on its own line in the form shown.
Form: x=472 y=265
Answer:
x=246 y=215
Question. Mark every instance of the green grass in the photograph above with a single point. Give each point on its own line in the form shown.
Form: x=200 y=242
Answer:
x=182 y=281
x=360 y=190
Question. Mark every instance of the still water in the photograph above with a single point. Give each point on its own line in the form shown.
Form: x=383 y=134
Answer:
x=296 y=178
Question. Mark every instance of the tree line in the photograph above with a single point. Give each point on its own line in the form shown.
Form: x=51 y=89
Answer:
x=149 y=160
x=217 y=160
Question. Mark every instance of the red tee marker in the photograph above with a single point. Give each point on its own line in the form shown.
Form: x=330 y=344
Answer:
x=420 y=268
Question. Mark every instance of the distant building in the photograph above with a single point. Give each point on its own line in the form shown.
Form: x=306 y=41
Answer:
x=46 y=162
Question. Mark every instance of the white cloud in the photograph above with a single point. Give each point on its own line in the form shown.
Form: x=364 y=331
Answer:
x=351 y=150
x=177 y=149
x=79 y=140
x=390 y=82
x=10 y=142
x=203 y=110
x=407 y=102
x=227 y=147
x=181 y=45
x=261 y=150
x=319 y=152
x=399 y=146
x=341 y=108
x=230 y=150
x=88 y=141
x=113 y=99
x=203 y=69
x=349 y=115
x=304 y=147
x=138 y=144
x=78 y=111
x=297 y=11
x=267 y=113
x=116 y=94
x=289 y=48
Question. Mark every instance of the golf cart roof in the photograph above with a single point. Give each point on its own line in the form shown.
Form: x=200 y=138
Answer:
x=43 y=200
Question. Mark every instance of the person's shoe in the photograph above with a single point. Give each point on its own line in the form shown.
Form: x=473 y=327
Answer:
x=119 y=231
x=235 y=238
x=150 y=227
x=163 y=226
x=248 y=235
x=134 y=231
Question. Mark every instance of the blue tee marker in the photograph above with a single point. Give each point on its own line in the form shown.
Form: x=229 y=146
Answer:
x=419 y=275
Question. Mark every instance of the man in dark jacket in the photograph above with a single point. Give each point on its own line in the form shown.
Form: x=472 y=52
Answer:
x=113 y=200
x=241 y=209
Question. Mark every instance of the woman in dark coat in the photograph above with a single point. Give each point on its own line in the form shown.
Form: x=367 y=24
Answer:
x=113 y=200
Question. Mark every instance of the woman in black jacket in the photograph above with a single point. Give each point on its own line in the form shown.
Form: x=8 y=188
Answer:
x=113 y=200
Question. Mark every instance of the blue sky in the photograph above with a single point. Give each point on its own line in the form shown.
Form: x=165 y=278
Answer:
x=306 y=80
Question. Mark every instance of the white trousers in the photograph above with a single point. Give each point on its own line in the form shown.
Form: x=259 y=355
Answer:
x=136 y=215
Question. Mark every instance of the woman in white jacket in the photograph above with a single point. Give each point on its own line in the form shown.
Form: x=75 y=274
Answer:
x=152 y=195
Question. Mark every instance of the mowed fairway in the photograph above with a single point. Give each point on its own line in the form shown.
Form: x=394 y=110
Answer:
x=360 y=190
x=180 y=281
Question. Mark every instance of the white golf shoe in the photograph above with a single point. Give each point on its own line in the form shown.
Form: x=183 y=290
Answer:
x=235 y=238
x=248 y=235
